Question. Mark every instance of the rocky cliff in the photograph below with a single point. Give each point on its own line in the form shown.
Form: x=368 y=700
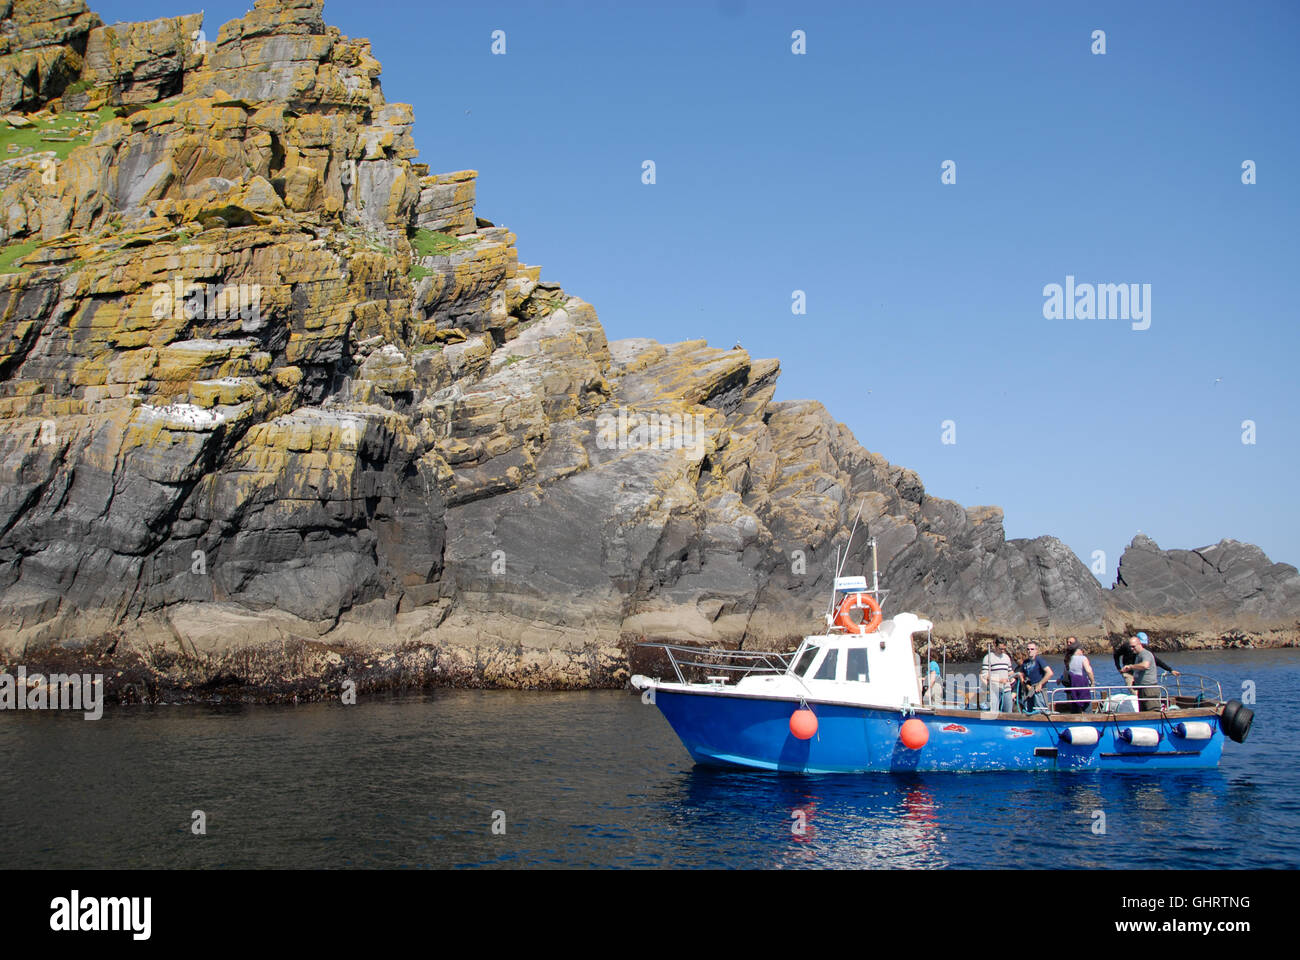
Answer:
x=1229 y=589
x=281 y=411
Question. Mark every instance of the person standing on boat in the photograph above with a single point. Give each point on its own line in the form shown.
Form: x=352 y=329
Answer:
x=1143 y=669
x=1124 y=657
x=1078 y=676
x=997 y=673
x=934 y=686
x=1033 y=674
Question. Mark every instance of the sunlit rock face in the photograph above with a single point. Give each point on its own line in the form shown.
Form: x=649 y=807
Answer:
x=1227 y=588
x=280 y=412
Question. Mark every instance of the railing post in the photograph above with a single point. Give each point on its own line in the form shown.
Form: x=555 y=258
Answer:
x=672 y=658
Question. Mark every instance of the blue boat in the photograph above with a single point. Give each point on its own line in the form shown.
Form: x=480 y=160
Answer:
x=852 y=700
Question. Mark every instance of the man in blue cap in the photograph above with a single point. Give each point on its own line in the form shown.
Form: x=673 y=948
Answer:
x=1126 y=655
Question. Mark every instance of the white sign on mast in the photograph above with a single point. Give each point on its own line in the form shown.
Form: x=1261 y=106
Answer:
x=850 y=583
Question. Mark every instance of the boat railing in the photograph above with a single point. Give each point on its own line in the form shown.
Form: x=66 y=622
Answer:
x=726 y=663
x=1101 y=693
x=1194 y=686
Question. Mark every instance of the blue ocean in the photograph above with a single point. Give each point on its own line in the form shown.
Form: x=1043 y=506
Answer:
x=514 y=779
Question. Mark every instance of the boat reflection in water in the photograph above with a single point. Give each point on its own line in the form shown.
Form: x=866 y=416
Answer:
x=713 y=816
x=831 y=821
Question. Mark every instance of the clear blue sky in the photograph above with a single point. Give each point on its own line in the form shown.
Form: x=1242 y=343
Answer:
x=821 y=173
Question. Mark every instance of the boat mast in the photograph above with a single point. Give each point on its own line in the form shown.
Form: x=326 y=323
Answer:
x=830 y=606
x=875 y=571
x=842 y=559
x=840 y=563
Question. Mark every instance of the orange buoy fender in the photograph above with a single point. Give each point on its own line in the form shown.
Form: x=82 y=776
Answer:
x=871 y=618
x=803 y=723
x=914 y=734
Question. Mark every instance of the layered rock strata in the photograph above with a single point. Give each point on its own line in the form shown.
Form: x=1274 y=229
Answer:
x=281 y=411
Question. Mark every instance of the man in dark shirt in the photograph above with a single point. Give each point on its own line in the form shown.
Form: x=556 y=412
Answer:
x=1033 y=674
x=1126 y=655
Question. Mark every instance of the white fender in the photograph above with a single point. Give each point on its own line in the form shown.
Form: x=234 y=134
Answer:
x=1080 y=736
x=1141 y=736
x=1194 y=730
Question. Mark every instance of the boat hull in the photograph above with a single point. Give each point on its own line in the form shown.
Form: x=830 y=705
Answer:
x=725 y=730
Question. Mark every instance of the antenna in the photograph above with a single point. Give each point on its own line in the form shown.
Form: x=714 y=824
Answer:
x=840 y=568
x=842 y=559
x=830 y=606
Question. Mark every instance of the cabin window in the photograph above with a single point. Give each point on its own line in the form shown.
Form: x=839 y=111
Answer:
x=827 y=670
x=857 y=665
x=805 y=661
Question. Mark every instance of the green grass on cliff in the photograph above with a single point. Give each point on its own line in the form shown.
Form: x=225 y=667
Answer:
x=14 y=252
x=430 y=243
x=64 y=125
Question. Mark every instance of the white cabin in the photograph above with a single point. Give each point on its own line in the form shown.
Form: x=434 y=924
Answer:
x=875 y=669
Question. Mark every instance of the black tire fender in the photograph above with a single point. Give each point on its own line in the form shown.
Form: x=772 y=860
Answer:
x=1236 y=720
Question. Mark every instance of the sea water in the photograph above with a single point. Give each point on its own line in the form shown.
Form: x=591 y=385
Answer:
x=598 y=779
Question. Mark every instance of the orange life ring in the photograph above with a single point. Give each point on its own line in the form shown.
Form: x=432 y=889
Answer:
x=871 y=619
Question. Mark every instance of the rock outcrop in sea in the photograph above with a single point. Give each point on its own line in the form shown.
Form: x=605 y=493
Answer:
x=281 y=410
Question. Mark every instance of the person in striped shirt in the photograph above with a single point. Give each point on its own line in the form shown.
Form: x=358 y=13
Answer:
x=996 y=672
